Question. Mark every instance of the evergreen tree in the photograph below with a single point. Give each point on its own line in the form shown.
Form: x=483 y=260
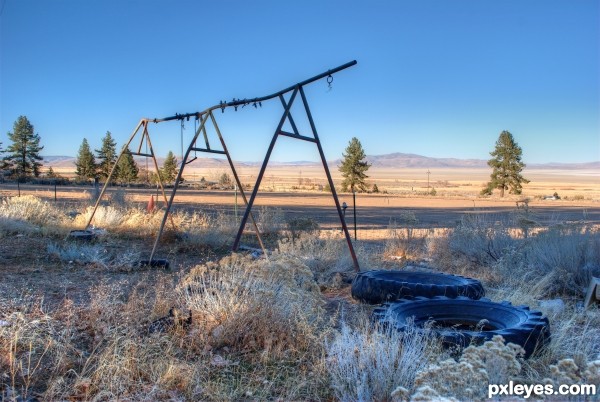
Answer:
x=107 y=156
x=169 y=170
x=85 y=163
x=506 y=166
x=3 y=164
x=225 y=181
x=127 y=171
x=50 y=174
x=24 y=152
x=353 y=167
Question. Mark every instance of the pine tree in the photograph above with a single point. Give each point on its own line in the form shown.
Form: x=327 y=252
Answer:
x=24 y=152
x=85 y=163
x=225 y=181
x=3 y=164
x=506 y=166
x=107 y=156
x=127 y=171
x=168 y=172
x=50 y=174
x=353 y=167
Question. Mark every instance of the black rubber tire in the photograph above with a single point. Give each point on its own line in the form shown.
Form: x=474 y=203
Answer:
x=160 y=263
x=82 y=235
x=516 y=324
x=380 y=286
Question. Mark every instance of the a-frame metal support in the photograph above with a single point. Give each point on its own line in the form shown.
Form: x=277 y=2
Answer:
x=315 y=139
x=145 y=136
x=192 y=147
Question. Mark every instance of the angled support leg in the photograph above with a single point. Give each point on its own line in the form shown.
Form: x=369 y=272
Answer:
x=330 y=180
x=238 y=182
x=176 y=186
x=162 y=187
x=112 y=172
x=261 y=173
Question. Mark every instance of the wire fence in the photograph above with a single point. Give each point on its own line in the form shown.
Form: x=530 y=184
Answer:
x=374 y=223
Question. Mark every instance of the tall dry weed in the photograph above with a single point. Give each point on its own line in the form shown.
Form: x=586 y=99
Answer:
x=482 y=238
x=31 y=209
x=271 y=307
x=367 y=362
x=402 y=240
x=327 y=255
x=35 y=349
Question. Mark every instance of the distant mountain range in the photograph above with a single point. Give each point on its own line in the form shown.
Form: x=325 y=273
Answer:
x=394 y=160
x=401 y=160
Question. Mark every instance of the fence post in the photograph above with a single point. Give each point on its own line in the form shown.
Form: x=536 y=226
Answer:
x=354 y=206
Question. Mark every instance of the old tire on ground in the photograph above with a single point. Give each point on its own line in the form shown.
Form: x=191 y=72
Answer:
x=82 y=235
x=155 y=263
x=462 y=321
x=380 y=286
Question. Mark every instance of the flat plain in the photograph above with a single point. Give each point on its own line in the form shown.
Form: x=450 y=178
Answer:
x=74 y=315
x=438 y=199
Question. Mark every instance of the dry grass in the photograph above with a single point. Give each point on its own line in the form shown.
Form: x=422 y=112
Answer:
x=271 y=307
x=367 y=362
x=261 y=328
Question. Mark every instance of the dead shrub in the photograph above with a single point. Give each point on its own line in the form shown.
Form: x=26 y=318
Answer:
x=35 y=348
x=367 y=362
x=402 y=240
x=468 y=378
x=481 y=238
x=272 y=307
x=569 y=255
x=326 y=255
x=298 y=226
x=31 y=209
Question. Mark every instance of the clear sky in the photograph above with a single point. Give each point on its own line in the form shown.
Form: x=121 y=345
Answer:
x=437 y=78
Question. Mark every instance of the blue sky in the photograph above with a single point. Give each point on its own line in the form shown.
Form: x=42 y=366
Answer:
x=437 y=78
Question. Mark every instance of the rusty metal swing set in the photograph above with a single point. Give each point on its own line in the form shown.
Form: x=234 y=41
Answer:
x=206 y=115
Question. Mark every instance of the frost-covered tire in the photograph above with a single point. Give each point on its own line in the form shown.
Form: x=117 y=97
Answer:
x=380 y=286
x=462 y=321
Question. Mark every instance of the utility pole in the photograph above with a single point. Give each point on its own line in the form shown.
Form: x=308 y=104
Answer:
x=428 y=173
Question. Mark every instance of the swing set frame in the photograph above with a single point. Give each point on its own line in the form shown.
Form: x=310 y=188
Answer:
x=206 y=115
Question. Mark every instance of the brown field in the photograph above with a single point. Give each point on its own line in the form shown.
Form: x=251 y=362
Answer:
x=75 y=316
x=295 y=190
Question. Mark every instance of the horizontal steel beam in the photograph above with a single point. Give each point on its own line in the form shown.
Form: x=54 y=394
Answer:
x=298 y=137
x=142 y=154
x=242 y=102
x=210 y=151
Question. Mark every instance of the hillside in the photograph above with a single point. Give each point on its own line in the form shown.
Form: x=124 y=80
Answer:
x=393 y=160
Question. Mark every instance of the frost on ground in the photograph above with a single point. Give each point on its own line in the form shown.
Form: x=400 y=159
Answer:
x=74 y=319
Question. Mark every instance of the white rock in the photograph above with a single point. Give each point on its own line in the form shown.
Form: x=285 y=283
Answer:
x=553 y=307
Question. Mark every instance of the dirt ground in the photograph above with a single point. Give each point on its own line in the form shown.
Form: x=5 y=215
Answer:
x=373 y=211
x=25 y=258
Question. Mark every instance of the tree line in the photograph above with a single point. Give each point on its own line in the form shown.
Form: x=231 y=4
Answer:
x=23 y=159
x=99 y=166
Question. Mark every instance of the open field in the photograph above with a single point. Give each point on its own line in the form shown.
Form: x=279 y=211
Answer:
x=374 y=211
x=295 y=192
x=75 y=316
x=454 y=182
